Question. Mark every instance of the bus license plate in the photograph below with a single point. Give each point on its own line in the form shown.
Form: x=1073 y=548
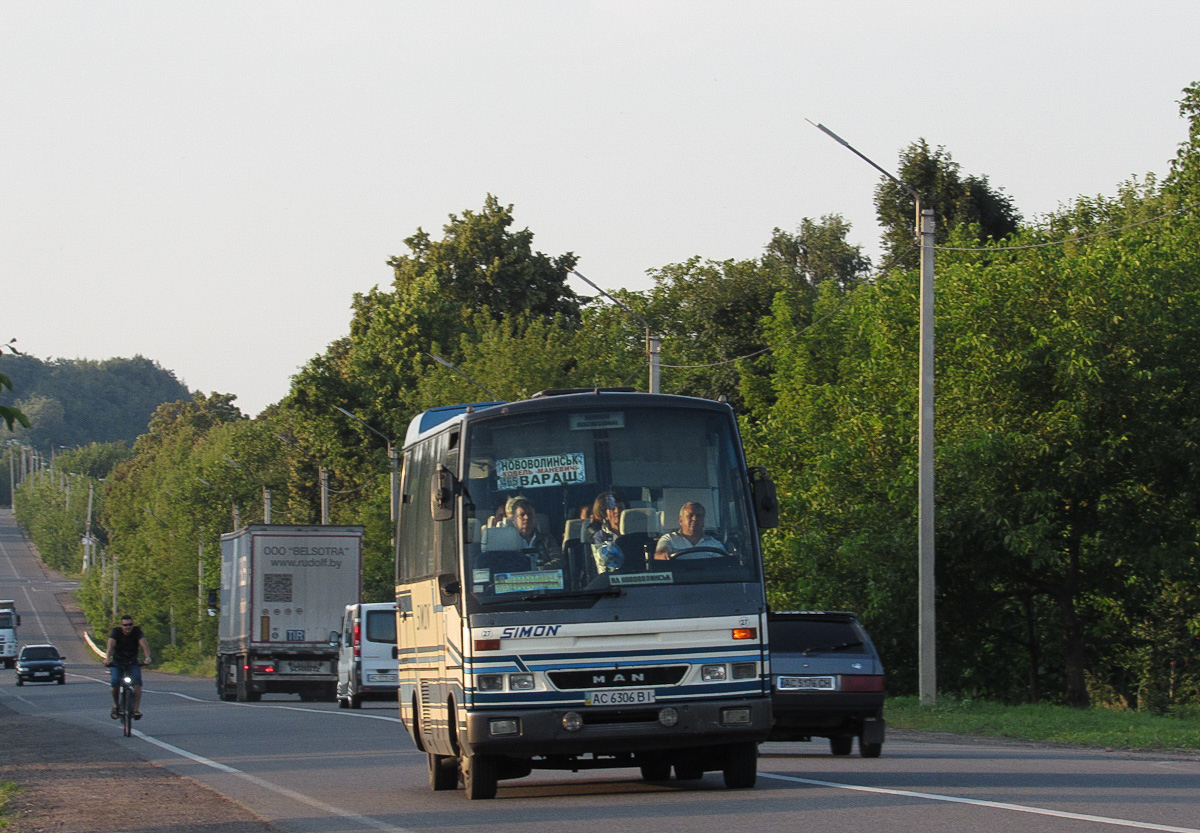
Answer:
x=632 y=697
x=806 y=684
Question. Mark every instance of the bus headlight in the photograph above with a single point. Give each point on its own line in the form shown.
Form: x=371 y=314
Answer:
x=712 y=673
x=572 y=721
x=520 y=682
x=745 y=670
x=489 y=682
x=668 y=717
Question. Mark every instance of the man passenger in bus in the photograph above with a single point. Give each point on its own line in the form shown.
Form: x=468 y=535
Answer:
x=689 y=535
x=523 y=517
x=603 y=531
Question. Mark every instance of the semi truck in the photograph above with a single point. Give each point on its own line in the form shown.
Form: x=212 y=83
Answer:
x=9 y=620
x=284 y=589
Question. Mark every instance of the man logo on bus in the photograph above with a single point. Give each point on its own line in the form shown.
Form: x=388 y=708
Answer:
x=526 y=631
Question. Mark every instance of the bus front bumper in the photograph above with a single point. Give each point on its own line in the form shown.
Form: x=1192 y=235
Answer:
x=596 y=730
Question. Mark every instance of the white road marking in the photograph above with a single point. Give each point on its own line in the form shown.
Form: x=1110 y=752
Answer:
x=365 y=821
x=995 y=805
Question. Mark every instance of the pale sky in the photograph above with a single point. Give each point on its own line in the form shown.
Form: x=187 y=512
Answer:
x=207 y=184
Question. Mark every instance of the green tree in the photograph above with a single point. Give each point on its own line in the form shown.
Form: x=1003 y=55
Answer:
x=955 y=199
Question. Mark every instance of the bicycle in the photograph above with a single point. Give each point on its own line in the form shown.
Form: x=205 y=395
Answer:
x=125 y=697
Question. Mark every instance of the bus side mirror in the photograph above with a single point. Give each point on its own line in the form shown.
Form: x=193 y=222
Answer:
x=766 y=504
x=450 y=587
x=441 y=494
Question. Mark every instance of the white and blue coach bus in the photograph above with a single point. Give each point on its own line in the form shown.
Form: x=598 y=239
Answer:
x=530 y=636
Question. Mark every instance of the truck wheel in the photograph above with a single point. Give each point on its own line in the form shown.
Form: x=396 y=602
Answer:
x=443 y=772
x=480 y=776
x=355 y=700
x=741 y=765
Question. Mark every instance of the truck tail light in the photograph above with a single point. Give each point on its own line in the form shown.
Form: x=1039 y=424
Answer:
x=862 y=682
x=262 y=667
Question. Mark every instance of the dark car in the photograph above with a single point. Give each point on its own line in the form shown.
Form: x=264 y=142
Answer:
x=40 y=664
x=826 y=681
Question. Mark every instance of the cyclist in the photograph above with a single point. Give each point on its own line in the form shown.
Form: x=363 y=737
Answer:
x=123 y=644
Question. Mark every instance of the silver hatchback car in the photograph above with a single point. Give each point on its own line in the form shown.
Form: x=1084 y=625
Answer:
x=826 y=681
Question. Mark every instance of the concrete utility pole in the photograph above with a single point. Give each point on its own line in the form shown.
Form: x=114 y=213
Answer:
x=927 y=618
x=653 y=342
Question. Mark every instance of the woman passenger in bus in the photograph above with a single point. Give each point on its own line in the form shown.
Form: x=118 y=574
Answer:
x=603 y=531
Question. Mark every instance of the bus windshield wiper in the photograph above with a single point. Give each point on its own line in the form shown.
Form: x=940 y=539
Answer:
x=831 y=649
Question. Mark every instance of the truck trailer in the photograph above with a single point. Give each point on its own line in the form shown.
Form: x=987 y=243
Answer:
x=9 y=620
x=284 y=589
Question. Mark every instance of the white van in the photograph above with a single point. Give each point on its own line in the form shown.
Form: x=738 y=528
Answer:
x=367 y=655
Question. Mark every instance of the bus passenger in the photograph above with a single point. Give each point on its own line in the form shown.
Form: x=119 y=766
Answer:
x=689 y=535
x=603 y=531
x=523 y=517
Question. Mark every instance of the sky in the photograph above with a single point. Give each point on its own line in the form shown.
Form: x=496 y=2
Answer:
x=208 y=184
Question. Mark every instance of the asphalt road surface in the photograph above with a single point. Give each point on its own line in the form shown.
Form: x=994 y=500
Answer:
x=313 y=767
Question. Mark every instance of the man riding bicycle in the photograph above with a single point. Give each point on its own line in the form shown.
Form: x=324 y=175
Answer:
x=122 y=652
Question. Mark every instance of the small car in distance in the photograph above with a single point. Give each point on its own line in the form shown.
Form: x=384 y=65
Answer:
x=826 y=681
x=40 y=664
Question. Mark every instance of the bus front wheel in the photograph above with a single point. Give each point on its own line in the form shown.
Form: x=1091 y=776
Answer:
x=741 y=766
x=480 y=776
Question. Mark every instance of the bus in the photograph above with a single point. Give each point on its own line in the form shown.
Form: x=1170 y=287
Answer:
x=579 y=585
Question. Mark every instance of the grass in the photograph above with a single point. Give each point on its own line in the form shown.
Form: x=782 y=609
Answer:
x=7 y=790
x=1179 y=731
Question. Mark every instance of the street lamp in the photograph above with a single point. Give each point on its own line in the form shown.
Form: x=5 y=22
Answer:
x=926 y=636
x=393 y=459
x=266 y=491
x=653 y=342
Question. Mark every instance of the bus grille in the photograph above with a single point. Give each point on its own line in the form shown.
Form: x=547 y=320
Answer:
x=617 y=677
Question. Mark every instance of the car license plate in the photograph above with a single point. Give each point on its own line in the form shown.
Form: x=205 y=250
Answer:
x=806 y=684
x=631 y=697
x=300 y=666
x=381 y=678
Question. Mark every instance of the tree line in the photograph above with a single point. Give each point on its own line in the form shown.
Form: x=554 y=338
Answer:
x=1068 y=473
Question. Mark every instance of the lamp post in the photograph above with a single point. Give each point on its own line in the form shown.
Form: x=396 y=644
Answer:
x=265 y=491
x=393 y=460
x=653 y=342
x=926 y=635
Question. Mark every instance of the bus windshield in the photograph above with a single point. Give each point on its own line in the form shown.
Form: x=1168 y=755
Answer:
x=580 y=502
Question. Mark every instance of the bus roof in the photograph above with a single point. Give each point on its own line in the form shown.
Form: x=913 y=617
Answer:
x=435 y=417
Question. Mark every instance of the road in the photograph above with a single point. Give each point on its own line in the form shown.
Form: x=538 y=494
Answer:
x=310 y=767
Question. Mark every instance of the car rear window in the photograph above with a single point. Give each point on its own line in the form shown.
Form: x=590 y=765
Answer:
x=381 y=626
x=816 y=637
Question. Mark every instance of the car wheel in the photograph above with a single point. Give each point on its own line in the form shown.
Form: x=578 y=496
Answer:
x=62 y=680
x=841 y=744
x=870 y=750
x=20 y=681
